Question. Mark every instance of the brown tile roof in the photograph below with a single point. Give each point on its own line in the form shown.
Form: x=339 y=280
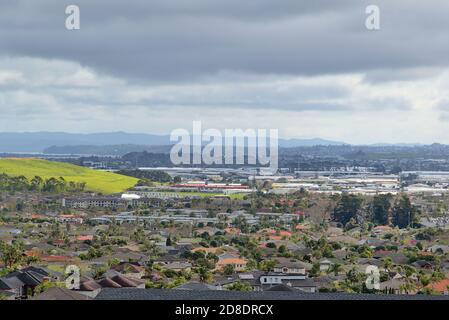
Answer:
x=128 y=268
x=90 y=285
x=109 y=283
x=126 y=282
x=58 y=293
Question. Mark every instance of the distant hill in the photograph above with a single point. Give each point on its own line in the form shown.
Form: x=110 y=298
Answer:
x=39 y=141
x=97 y=181
x=107 y=150
x=46 y=141
x=291 y=143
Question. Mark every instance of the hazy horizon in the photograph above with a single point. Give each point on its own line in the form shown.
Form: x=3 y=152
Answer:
x=168 y=134
x=308 y=69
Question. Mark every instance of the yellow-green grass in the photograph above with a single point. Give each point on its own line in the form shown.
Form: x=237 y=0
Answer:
x=97 y=181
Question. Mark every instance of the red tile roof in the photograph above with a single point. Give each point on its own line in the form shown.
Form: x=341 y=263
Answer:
x=440 y=286
x=85 y=238
x=56 y=258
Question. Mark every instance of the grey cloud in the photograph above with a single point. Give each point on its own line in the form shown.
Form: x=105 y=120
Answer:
x=162 y=41
x=407 y=74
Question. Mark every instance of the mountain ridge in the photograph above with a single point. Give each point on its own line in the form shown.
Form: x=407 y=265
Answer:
x=40 y=141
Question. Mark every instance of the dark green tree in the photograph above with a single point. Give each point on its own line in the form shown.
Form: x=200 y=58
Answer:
x=404 y=213
x=168 y=243
x=380 y=209
x=347 y=208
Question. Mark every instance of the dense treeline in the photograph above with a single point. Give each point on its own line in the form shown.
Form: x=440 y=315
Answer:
x=382 y=210
x=153 y=175
x=21 y=183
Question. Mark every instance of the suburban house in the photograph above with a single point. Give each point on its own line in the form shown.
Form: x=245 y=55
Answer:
x=23 y=282
x=325 y=264
x=396 y=286
x=296 y=281
x=174 y=263
x=441 y=249
x=289 y=266
x=441 y=287
x=178 y=266
x=423 y=264
x=130 y=269
x=195 y=286
x=120 y=281
x=113 y=279
x=58 y=293
x=239 y=264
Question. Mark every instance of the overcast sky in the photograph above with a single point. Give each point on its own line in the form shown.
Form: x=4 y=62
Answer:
x=307 y=68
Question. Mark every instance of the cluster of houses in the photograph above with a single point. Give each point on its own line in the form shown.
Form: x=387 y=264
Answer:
x=145 y=243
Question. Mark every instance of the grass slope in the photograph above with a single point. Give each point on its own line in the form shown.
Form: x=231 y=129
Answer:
x=98 y=181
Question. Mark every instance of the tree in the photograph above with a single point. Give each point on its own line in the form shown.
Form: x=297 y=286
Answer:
x=177 y=179
x=267 y=265
x=204 y=274
x=240 y=286
x=353 y=276
x=36 y=183
x=282 y=249
x=46 y=285
x=168 y=243
x=336 y=268
x=380 y=208
x=271 y=245
x=388 y=263
x=228 y=269
x=408 y=287
x=31 y=259
x=348 y=207
x=403 y=213
x=11 y=253
x=99 y=271
x=315 y=271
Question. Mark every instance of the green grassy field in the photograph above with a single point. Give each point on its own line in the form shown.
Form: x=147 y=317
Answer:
x=98 y=181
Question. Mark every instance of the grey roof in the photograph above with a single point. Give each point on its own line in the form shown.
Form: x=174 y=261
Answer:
x=162 y=294
x=10 y=283
x=281 y=287
x=197 y=286
x=30 y=276
x=289 y=263
x=57 y=293
x=303 y=283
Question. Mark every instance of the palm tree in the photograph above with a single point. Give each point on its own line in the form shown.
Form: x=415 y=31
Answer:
x=408 y=287
x=204 y=274
x=388 y=264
